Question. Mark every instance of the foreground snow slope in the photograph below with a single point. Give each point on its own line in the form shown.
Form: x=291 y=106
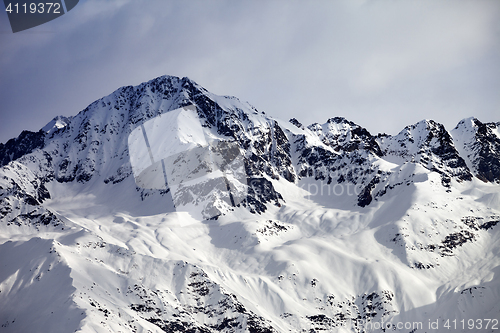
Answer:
x=339 y=227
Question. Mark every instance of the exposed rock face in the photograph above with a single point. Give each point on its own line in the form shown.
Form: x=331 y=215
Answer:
x=480 y=144
x=24 y=144
x=429 y=144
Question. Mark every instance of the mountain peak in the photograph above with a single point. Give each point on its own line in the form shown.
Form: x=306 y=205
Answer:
x=56 y=124
x=468 y=123
x=340 y=120
x=425 y=124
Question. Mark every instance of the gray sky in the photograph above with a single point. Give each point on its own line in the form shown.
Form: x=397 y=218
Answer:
x=381 y=64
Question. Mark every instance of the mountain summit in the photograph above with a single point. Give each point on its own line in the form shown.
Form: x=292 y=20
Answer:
x=324 y=228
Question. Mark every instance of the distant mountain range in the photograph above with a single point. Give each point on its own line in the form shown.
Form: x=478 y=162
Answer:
x=338 y=230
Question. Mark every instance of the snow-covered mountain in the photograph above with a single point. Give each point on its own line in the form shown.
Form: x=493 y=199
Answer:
x=339 y=230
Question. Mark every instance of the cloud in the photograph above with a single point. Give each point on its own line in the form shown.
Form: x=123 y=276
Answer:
x=416 y=41
x=382 y=64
